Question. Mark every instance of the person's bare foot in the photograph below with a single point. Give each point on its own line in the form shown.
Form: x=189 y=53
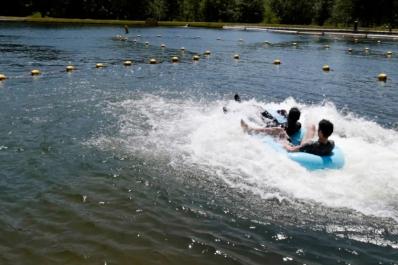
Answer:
x=244 y=126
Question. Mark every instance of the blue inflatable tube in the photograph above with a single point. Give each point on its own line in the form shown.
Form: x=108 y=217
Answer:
x=314 y=162
x=309 y=161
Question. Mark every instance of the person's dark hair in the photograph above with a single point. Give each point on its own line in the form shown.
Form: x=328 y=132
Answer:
x=294 y=115
x=326 y=127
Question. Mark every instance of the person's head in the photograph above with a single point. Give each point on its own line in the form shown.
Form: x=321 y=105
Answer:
x=237 y=98
x=325 y=129
x=294 y=115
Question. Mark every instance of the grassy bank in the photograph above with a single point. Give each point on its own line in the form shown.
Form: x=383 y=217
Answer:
x=135 y=23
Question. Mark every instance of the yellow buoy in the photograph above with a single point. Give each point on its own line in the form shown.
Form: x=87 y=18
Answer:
x=277 y=62
x=153 y=61
x=236 y=56
x=382 y=77
x=196 y=58
x=175 y=59
x=326 y=68
x=99 y=65
x=70 y=68
x=127 y=63
x=35 y=72
x=3 y=77
x=163 y=45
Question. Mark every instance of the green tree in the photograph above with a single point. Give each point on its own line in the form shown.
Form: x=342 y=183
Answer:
x=251 y=10
x=322 y=11
x=342 y=12
x=293 y=11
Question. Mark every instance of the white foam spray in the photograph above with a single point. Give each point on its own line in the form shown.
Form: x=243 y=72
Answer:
x=200 y=134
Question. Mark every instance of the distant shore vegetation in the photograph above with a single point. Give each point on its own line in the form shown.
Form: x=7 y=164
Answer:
x=298 y=12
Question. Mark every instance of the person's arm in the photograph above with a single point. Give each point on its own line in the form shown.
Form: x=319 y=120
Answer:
x=304 y=147
x=269 y=131
x=292 y=148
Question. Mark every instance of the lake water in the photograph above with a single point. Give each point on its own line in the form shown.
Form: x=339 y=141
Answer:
x=139 y=165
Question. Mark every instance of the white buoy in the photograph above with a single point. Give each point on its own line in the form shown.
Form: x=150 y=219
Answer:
x=326 y=68
x=153 y=61
x=175 y=59
x=277 y=62
x=35 y=72
x=236 y=57
x=382 y=77
x=207 y=52
x=163 y=45
x=3 y=77
x=70 y=68
x=127 y=63
x=196 y=58
x=99 y=65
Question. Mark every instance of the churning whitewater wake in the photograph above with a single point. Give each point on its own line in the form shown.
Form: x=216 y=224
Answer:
x=198 y=134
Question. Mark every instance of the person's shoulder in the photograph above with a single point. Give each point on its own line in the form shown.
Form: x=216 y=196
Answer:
x=312 y=142
x=331 y=143
x=309 y=144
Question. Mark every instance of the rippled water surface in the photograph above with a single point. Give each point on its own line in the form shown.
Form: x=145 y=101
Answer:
x=139 y=165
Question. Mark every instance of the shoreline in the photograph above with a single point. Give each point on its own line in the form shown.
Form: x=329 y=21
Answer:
x=372 y=33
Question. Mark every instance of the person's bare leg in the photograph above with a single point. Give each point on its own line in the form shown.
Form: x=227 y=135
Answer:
x=244 y=126
x=275 y=131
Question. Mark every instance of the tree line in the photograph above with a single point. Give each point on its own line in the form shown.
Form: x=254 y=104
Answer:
x=319 y=12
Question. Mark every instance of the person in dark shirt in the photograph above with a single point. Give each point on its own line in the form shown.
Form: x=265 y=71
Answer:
x=291 y=126
x=322 y=147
